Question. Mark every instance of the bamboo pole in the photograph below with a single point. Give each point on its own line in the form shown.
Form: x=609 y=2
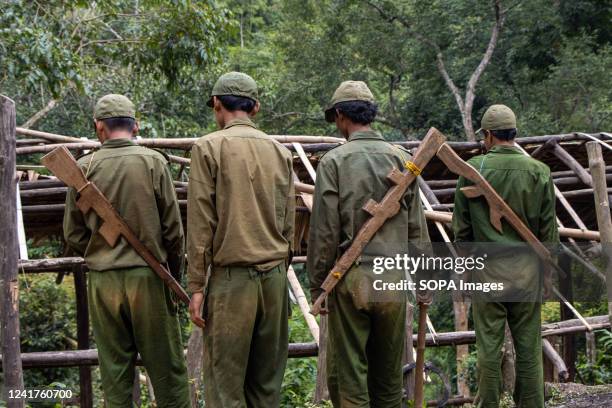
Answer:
x=296 y=288
x=460 y=307
x=167 y=142
x=9 y=252
x=564 y=232
x=602 y=209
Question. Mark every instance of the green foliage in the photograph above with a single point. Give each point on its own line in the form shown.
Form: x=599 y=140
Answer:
x=49 y=248
x=601 y=371
x=48 y=322
x=61 y=43
x=299 y=381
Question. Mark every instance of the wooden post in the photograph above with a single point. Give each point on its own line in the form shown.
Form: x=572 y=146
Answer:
x=82 y=318
x=321 y=391
x=9 y=252
x=195 y=361
x=136 y=394
x=602 y=209
x=409 y=352
x=508 y=362
x=566 y=289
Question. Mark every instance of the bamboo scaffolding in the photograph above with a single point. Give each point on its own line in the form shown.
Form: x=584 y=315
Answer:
x=45 y=197
x=75 y=358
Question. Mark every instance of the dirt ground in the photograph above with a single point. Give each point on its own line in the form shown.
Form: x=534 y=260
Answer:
x=572 y=395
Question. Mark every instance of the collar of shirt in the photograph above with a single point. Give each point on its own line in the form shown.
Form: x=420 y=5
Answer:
x=122 y=142
x=240 y=122
x=503 y=149
x=365 y=134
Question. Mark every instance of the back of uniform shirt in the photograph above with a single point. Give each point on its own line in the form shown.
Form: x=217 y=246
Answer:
x=137 y=182
x=241 y=200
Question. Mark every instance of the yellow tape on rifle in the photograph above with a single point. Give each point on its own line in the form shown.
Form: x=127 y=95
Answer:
x=336 y=275
x=414 y=169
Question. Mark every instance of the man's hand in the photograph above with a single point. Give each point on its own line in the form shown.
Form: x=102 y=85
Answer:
x=195 y=309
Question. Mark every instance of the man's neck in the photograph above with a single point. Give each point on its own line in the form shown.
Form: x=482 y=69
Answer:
x=119 y=135
x=508 y=143
x=231 y=116
x=357 y=127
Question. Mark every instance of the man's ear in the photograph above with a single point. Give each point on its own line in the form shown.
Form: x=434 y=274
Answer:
x=217 y=104
x=99 y=129
x=136 y=128
x=255 y=109
x=339 y=116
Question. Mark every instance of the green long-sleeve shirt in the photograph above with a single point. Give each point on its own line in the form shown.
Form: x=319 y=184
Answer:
x=526 y=186
x=347 y=177
x=241 y=201
x=138 y=183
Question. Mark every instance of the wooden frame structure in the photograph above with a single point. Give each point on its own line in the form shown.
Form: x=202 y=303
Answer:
x=43 y=198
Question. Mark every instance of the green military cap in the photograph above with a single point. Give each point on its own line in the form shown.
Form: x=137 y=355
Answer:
x=348 y=91
x=234 y=83
x=498 y=117
x=114 y=106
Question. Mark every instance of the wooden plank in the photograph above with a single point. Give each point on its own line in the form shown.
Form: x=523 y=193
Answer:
x=602 y=209
x=9 y=250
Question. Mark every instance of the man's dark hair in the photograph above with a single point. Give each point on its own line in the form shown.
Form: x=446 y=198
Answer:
x=361 y=112
x=504 y=134
x=234 y=103
x=120 y=123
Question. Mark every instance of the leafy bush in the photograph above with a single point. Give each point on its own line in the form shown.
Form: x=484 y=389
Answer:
x=48 y=322
x=600 y=372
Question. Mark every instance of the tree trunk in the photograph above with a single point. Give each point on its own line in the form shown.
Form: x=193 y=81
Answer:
x=9 y=250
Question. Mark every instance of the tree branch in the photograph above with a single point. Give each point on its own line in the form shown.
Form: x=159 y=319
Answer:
x=464 y=104
x=500 y=17
x=40 y=114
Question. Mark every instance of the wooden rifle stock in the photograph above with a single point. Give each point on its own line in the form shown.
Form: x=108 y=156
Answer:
x=380 y=213
x=61 y=163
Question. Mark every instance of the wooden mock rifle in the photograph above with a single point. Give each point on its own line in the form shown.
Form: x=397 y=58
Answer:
x=61 y=163
x=432 y=144
x=380 y=213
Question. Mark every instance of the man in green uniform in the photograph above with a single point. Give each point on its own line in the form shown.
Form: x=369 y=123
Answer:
x=132 y=310
x=526 y=186
x=366 y=329
x=240 y=213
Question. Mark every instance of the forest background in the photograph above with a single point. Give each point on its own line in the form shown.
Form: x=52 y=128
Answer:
x=429 y=63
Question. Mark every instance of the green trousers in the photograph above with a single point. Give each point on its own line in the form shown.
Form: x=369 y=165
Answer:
x=246 y=337
x=366 y=334
x=524 y=320
x=132 y=312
